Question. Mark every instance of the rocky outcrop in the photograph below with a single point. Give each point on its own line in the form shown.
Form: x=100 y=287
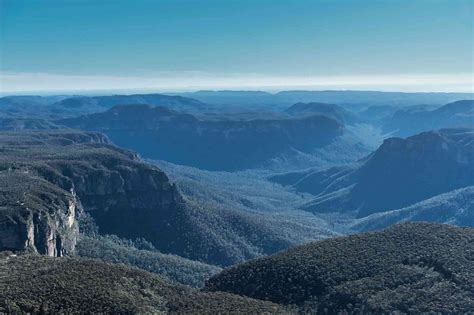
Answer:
x=47 y=178
x=36 y=215
x=124 y=196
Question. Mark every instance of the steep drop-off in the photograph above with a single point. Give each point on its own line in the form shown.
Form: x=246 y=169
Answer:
x=399 y=173
x=125 y=196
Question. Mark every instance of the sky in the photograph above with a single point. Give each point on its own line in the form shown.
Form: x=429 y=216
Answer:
x=178 y=45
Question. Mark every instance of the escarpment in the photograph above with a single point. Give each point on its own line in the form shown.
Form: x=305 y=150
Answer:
x=47 y=179
x=123 y=195
x=36 y=215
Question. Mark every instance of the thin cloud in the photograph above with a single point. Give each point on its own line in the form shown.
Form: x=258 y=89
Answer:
x=194 y=80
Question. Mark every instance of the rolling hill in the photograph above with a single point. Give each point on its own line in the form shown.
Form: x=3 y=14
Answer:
x=408 y=268
x=39 y=285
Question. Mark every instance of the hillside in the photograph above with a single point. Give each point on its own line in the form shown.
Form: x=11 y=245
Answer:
x=410 y=121
x=331 y=110
x=408 y=268
x=399 y=173
x=14 y=124
x=143 y=255
x=36 y=284
x=270 y=210
x=160 y=133
x=454 y=207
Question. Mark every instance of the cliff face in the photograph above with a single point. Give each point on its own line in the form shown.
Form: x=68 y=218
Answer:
x=36 y=215
x=124 y=196
x=46 y=179
x=399 y=173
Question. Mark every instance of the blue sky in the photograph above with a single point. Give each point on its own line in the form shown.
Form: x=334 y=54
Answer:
x=397 y=44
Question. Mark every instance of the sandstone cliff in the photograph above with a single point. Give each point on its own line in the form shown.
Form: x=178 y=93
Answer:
x=47 y=178
x=36 y=215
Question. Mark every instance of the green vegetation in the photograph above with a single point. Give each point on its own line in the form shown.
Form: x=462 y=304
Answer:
x=410 y=268
x=209 y=222
x=243 y=213
x=454 y=207
x=142 y=254
x=38 y=284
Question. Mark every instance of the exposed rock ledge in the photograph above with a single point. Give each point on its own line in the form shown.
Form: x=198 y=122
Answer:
x=36 y=215
x=41 y=173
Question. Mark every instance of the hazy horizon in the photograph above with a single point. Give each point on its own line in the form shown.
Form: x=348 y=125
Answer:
x=417 y=46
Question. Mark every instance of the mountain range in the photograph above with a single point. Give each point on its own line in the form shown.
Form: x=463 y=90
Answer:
x=410 y=121
x=55 y=107
x=353 y=99
x=161 y=133
x=235 y=201
x=399 y=173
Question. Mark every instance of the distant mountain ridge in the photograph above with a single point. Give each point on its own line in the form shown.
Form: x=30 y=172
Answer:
x=356 y=99
x=161 y=133
x=407 y=122
x=334 y=111
x=56 y=107
x=106 y=102
x=398 y=174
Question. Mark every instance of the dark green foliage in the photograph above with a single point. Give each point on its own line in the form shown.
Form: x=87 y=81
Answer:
x=243 y=213
x=141 y=254
x=413 y=267
x=38 y=284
